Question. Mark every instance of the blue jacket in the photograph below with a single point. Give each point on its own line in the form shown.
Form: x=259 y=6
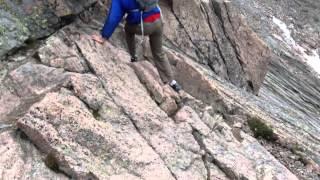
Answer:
x=118 y=9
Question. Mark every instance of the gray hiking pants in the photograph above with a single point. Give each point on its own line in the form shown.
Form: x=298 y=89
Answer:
x=154 y=30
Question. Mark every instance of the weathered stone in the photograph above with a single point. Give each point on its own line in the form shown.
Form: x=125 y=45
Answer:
x=234 y=119
x=169 y=106
x=12 y=32
x=169 y=92
x=62 y=127
x=189 y=116
x=216 y=173
x=68 y=7
x=35 y=79
x=153 y=124
x=247 y=159
x=291 y=87
x=252 y=53
x=194 y=81
x=149 y=76
x=32 y=19
x=225 y=43
x=211 y=121
x=57 y=54
x=162 y=94
x=227 y=98
x=237 y=125
x=116 y=121
x=8 y=103
x=236 y=158
x=19 y=159
x=88 y=88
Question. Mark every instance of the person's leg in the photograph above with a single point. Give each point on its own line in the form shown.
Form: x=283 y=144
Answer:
x=131 y=41
x=160 y=58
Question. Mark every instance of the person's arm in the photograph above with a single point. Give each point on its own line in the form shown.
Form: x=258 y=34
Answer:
x=115 y=16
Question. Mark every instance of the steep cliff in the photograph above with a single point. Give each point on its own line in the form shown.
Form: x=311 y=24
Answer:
x=72 y=108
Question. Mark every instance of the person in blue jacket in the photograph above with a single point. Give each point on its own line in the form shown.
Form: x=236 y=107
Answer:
x=141 y=22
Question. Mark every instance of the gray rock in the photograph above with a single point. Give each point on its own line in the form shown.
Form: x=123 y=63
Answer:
x=21 y=160
x=82 y=147
x=122 y=109
x=162 y=94
x=32 y=19
x=35 y=79
x=13 y=32
x=57 y=54
x=174 y=144
x=116 y=120
x=224 y=43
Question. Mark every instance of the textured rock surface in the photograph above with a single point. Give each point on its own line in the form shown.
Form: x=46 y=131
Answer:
x=162 y=95
x=57 y=54
x=291 y=29
x=153 y=124
x=34 y=79
x=180 y=145
x=62 y=127
x=224 y=42
x=86 y=112
x=32 y=19
x=12 y=32
x=21 y=160
x=302 y=18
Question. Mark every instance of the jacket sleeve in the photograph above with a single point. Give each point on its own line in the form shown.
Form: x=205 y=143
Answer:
x=116 y=13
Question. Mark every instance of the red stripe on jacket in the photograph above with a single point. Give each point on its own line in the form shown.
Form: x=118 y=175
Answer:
x=152 y=18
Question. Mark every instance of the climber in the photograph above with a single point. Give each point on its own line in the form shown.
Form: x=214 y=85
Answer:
x=143 y=18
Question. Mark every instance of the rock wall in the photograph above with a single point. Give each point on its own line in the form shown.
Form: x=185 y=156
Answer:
x=230 y=48
x=291 y=30
x=83 y=111
x=215 y=34
x=33 y=19
x=108 y=125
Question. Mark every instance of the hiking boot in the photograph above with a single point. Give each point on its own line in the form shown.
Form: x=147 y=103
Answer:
x=134 y=59
x=175 y=86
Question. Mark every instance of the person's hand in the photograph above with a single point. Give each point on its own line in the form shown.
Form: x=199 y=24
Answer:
x=98 y=38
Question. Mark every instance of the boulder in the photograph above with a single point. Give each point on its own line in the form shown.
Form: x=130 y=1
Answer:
x=162 y=94
x=237 y=159
x=76 y=143
x=36 y=79
x=57 y=54
x=28 y=20
x=19 y=159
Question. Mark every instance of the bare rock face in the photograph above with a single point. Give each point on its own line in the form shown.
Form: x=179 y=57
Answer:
x=57 y=54
x=114 y=123
x=151 y=122
x=12 y=33
x=244 y=158
x=33 y=19
x=21 y=160
x=165 y=96
x=83 y=147
x=9 y=102
x=34 y=79
x=291 y=29
x=91 y=92
x=215 y=34
x=63 y=8
x=79 y=109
